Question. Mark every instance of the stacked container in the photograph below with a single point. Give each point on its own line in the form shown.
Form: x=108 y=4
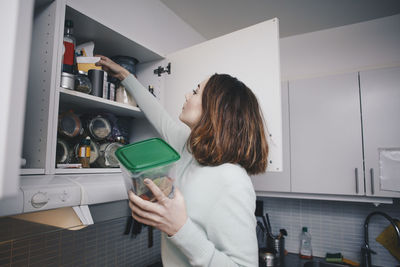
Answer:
x=153 y=159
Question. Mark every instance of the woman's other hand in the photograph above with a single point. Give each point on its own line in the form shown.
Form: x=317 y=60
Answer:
x=167 y=215
x=112 y=68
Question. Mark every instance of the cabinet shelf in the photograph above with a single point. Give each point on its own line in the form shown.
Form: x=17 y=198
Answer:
x=87 y=170
x=84 y=101
x=107 y=41
x=31 y=171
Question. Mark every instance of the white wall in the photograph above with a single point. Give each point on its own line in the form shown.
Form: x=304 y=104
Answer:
x=150 y=23
x=360 y=46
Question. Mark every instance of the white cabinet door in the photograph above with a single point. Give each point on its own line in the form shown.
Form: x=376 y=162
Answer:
x=16 y=36
x=380 y=96
x=251 y=55
x=278 y=181
x=325 y=135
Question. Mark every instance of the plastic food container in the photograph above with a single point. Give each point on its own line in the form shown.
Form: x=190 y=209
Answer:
x=153 y=159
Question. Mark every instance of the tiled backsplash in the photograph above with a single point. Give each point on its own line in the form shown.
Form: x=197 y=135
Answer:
x=101 y=244
x=334 y=226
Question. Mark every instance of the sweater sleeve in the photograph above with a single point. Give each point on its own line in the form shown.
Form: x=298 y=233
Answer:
x=230 y=236
x=174 y=133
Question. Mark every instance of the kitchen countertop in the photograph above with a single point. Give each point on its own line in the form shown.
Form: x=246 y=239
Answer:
x=293 y=260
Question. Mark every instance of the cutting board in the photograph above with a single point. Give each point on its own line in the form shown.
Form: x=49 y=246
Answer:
x=388 y=239
x=65 y=218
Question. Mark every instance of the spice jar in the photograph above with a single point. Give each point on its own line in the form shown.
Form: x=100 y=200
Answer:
x=99 y=128
x=63 y=152
x=84 y=152
x=107 y=158
x=83 y=83
x=94 y=151
x=69 y=124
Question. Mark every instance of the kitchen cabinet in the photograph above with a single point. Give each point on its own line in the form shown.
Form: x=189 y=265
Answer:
x=16 y=39
x=278 y=181
x=326 y=136
x=251 y=54
x=337 y=123
x=380 y=102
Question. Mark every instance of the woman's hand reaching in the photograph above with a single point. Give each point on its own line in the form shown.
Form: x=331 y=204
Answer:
x=112 y=68
x=167 y=215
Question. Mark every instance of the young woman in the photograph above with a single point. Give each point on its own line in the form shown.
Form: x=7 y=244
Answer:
x=210 y=221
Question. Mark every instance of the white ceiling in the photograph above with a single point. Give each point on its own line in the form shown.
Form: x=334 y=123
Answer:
x=212 y=18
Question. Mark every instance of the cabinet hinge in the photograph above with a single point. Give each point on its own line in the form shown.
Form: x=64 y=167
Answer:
x=161 y=70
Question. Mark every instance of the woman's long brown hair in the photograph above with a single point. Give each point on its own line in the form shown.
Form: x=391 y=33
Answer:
x=231 y=127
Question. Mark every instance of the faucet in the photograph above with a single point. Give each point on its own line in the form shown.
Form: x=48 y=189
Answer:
x=366 y=250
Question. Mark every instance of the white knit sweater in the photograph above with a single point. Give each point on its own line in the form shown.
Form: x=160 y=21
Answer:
x=220 y=201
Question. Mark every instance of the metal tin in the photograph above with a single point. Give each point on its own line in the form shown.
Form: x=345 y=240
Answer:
x=268 y=259
x=68 y=80
x=278 y=245
x=97 y=79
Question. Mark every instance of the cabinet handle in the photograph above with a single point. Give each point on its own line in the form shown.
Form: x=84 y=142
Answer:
x=371 y=171
x=356 y=178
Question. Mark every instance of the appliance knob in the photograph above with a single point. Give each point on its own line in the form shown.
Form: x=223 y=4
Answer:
x=39 y=200
x=64 y=196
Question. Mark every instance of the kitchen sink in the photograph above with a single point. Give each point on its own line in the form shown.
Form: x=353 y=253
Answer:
x=321 y=264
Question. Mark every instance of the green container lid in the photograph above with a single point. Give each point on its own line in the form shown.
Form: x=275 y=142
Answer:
x=147 y=154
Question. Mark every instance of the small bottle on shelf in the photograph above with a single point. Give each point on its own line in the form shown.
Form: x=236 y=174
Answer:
x=84 y=152
x=305 y=251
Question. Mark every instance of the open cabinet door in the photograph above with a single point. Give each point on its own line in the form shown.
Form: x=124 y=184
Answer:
x=251 y=55
x=16 y=36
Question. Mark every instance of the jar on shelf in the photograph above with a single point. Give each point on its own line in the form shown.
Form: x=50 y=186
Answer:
x=83 y=83
x=69 y=124
x=107 y=158
x=63 y=152
x=68 y=80
x=94 y=151
x=122 y=96
x=99 y=128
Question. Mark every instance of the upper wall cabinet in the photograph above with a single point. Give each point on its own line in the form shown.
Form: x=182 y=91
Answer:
x=332 y=133
x=251 y=54
x=278 y=181
x=380 y=102
x=16 y=37
x=325 y=135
